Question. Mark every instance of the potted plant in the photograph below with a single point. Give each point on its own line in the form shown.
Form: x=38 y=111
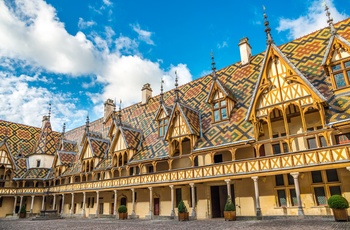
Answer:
x=22 y=212
x=230 y=210
x=183 y=213
x=339 y=205
x=123 y=212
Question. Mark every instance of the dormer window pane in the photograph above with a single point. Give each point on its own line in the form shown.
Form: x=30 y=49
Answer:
x=224 y=114
x=347 y=64
x=223 y=103
x=216 y=105
x=336 y=67
x=339 y=79
x=216 y=115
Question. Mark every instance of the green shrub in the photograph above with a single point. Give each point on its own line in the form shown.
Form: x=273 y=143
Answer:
x=229 y=206
x=338 y=202
x=122 y=209
x=182 y=207
x=23 y=209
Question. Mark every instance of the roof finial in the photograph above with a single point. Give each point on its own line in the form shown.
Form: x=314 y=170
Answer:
x=64 y=129
x=87 y=124
x=49 y=110
x=267 y=28
x=330 y=20
x=161 y=90
x=213 y=65
x=176 y=89
x=120 y=113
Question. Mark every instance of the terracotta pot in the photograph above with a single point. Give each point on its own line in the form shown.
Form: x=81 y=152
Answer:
x=230 y=215
x=340 y=214
x=123 y=216
x=183 y=216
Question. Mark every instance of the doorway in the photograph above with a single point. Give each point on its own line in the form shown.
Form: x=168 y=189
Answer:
x=218 y=200
x=156 y=206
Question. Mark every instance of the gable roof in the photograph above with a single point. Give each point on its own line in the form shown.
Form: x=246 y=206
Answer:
x=47 y=143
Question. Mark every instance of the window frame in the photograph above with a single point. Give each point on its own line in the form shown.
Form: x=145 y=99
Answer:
x=288 y=188
x=344 y=70
x=220 y=109
x=163 y=126
x=325 y=184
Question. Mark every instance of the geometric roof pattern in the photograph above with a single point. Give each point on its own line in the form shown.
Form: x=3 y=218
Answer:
x=46 y=143
x=36 y=173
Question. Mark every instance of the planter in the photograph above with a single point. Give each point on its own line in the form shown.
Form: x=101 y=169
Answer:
x=230 y=215
x=340 y=214
x=183 y=216
x=123 y=216
x=22 y=215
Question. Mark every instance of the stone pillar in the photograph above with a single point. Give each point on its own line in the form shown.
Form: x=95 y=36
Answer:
x=43 y=203
x=31 y=205
x=172 y=200
x=115 y=202
x=295 y=176
x=150 y=202
x=14 y=206
x=62 y=206
x=20 y=203
x=257 y=200
x=84 y=200
x=72 y=204
x=97 y=203
x=54 y=202
x=228 y=184
x=193 y=214
x=133 y=214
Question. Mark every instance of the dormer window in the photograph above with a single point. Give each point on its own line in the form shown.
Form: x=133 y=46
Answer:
x=162 y=126
x=219 y=107
x=341 y=73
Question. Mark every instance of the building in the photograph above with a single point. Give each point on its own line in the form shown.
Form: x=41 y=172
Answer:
x=272 y=131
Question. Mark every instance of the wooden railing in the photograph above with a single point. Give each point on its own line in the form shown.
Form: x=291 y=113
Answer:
x=324 y=156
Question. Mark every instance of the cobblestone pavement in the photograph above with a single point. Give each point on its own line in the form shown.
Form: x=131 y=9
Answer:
x=106 y=224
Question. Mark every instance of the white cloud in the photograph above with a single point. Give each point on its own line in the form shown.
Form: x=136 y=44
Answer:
x=26 y=104
x=314 y=20
x=144 y=35
x=107 y=2
x=33 y=36
x=82 y=24
x=222 y=45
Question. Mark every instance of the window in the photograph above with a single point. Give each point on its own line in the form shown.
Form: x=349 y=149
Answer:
x=286 y=195
x=1 y=198
x=178 y=196
x=311 y=142
x=217 y=158
x=326 y=183
x=341 y=73
x=343 y=138
x=323 y=142
x=276 y=148
x=37 y=163
x=220 y=110
x=150 y=169
x=163 y=126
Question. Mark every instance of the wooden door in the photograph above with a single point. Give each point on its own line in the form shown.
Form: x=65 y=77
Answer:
x=156 y=206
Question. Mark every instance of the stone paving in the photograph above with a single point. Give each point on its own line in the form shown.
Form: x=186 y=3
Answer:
x=106 y=224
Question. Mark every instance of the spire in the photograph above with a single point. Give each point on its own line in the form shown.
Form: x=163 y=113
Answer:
x=330 y=20
x=213 y=66
x=63 y=129
x=267 y=28
x=161 y=90
x=49 y=110
x=87 y=124
x=176 y=89
x=119 y=121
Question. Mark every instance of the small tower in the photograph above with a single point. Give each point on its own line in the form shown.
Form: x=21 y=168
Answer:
x=245 y=51
x=146 y=93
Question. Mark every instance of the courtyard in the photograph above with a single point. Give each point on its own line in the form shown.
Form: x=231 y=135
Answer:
x=106 y=224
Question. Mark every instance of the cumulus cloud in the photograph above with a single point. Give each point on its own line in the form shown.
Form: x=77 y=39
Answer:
x=26 y=104
x=33 y=37
x=144 y=35
x=82 y=24
x=314 y=19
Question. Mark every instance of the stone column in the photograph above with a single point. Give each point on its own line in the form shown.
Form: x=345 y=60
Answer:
x=228 y=184
x=97 y=203
x=193 y=214
x=43 y=203
x=72 y=204
x=150 y=202
x=172 y=200
x=14 y=206
x=54 y=202
x=295 y=176
x=133 y=214
x=62 y=206
x=84 y=200
x=31 y=205
x=257 y=200
x=115 y=202
x=20 y=203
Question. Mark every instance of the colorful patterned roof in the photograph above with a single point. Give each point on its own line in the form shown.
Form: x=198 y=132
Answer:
x=47 y=142
x=132 y=137
x=99 y=147
x=36 y=173
x=66 y=158
x=69 y=146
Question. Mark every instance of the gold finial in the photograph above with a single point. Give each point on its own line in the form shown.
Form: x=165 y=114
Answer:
x=330 y=19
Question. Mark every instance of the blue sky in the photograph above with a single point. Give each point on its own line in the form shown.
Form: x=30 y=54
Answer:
x=76 y=54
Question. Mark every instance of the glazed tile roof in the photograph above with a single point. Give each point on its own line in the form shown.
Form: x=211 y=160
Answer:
x=47 y=142
x=66 y=158
x=98 y=146
x=132 y=137
x=36 y=173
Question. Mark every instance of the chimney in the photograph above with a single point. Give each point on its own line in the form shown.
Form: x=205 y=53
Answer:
x=45 y=120
x=108 y=108
x=146 y=93
x=245 y=50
